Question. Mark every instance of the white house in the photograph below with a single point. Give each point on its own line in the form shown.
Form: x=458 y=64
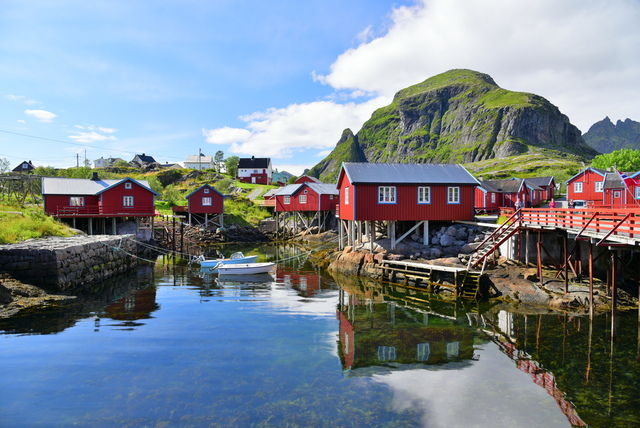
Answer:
x=199 y=162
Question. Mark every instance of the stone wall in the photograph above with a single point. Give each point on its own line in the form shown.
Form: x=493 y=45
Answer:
x=68 y=264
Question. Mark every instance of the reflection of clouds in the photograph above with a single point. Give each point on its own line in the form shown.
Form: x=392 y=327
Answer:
x=286 y=299
x=483 y=394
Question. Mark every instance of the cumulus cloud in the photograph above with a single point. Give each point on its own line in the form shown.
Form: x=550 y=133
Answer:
x=92 y=134
x=282 y=132
x=41 y=115
x=21 y=98
x=576 y=53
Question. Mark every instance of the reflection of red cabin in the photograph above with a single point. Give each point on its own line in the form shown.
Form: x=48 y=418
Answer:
x=76 y=198
x=586 y=187
x=307 y=196
x=203 y=202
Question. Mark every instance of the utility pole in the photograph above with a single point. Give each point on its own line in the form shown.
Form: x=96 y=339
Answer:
x=199 y=159
x=77 y=160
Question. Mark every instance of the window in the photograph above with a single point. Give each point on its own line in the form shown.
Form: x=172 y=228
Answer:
x=493 y=198
x=423 y=351
x=453 y=195
x=599 y=186
x=577 y=187
x=25 y=166
x=386 y=195
x=616 y=194
x=638 y=192
x=127 y=201
x=206 y=201
x=287 y=200
x=303 y=199
x=346 y=196
x=424 y=195
x=386 y=353
x=206 y=190
x=76 y=201
x=127 y=185
x=453 y=349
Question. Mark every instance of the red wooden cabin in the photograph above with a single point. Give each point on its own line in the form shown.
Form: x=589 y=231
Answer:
x=206 y=204
x=386 y=192
x=617 y=194
x=492 y=195
x=547 y=184
x=89 y=199
x=310 y=200
x=586 y=187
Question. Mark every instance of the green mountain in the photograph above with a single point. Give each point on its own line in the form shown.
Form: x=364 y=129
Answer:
x=460 y=116
x=606 y=137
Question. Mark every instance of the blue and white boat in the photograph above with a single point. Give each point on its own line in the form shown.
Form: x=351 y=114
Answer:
x=210 y=263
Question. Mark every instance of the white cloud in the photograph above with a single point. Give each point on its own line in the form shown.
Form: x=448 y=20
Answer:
x=20 y=98
x=282 y=132
x=91 y=137
x=576 y=53
x=41 y=115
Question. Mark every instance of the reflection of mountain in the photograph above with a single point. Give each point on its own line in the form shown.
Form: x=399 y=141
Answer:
x=380 y=329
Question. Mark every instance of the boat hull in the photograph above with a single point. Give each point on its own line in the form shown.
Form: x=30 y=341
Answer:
x=245 y=268
x=207 y=264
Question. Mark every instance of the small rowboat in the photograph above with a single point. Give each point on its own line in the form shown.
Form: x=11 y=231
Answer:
x=244 y=268
x=210 y=263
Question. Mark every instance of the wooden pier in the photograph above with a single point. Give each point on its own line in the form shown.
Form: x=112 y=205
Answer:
x=463 y=282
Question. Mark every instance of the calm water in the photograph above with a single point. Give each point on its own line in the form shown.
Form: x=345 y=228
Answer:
x=173 y=347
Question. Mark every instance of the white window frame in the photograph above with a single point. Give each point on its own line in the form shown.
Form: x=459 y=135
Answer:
x=637 y=192
x=302 y=199
x=424 y=194
x=599 y=186
x=207 y=201
x=127 y=185
x=346 y=196
x=76 y=201
x=206 y=190
x=493 y=197
x=453 y=195
x=578 y=187
x=387 y=194
x=287 y=200
x=127 y=201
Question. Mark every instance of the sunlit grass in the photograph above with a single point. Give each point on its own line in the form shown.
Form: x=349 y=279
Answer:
x=19 y=224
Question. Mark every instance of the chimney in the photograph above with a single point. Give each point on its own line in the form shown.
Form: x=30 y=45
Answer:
x=94 y=176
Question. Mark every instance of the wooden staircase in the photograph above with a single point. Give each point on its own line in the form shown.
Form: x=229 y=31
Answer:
x=470 y=285
x=493 y=241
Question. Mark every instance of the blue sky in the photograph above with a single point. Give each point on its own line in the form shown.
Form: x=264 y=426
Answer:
x=284 y=79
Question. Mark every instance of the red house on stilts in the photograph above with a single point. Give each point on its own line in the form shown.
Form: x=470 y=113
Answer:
x=95 y=205
x=374 y=193
x=206 y=205
x=309 y=201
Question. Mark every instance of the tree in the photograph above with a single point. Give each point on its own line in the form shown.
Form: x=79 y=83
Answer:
x=5 y=166
x=622 y=160
x=45 y=171
x=218 y=159
x=232 y=165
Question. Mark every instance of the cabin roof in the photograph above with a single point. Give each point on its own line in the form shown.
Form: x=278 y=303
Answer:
x=202 y=187
x=254 y=162
x=407 y=173
x=541 y=181
x=82 y=186
x=599 y=171
x=319 y=188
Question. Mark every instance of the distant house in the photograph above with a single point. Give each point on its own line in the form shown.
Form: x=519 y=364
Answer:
x=106 y=163
x=95 y=205
x=206 y=205
x=586 y=187
x=142 y=160
x=547 y=184
x=493 y=194
x=24 y=167
x=199 y=162
x=391 y=193
x=307 y=179
x=280 y=178
x=254 y=170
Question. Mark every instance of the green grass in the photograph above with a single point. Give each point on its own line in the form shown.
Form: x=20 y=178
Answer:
x=20 y=223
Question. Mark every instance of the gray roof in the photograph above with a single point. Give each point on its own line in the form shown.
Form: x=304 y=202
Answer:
x=319 y=188
x=540 y=181
x=505 y=185
x=82 y=186
x=407 y=173
x=612 y=180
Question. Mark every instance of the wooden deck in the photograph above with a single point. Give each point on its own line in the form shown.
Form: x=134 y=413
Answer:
x=429 y=277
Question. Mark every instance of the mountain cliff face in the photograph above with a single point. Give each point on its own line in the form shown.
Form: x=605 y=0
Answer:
x=460 y=116
x=606 y=137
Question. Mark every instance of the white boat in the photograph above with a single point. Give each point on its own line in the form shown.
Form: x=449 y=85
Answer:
x=235 y=258
x=244 y=268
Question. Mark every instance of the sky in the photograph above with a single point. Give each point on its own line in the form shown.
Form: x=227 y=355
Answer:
x=115 y=78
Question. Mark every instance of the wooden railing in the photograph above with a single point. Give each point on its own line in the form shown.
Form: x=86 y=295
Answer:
x=104 y=211
x=605 y=223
